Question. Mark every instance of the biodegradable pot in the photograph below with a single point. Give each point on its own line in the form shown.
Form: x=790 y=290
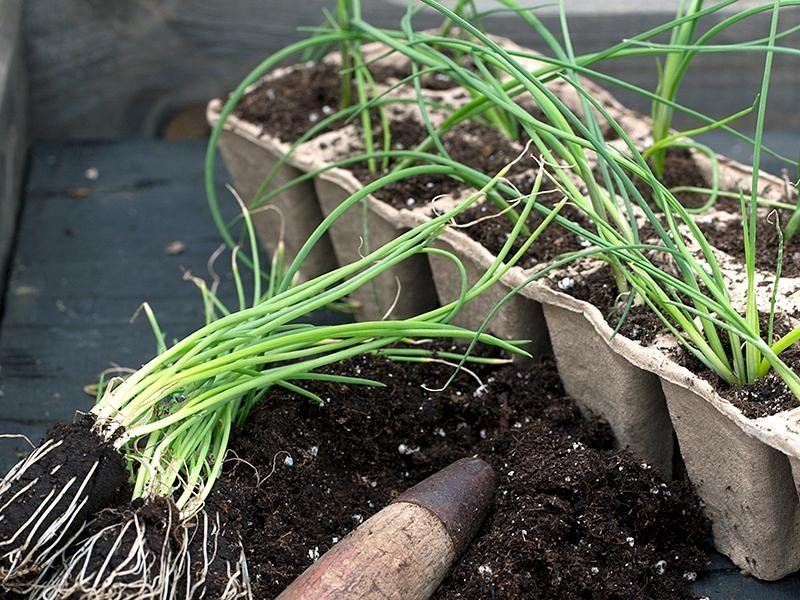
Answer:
x=250 y=154
x=732 y=174
x=405 y=551
x=745 y=470
x=747 y=484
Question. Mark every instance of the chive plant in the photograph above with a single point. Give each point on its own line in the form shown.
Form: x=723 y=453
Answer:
x=709 y=316
x=172 y=418
x=683 y=47
x=696 y=304
x=708 y=323
x=438 y=51
x=354 y=73
x=610 y=201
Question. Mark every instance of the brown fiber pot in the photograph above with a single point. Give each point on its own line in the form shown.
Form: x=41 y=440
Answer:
x=742 y=468
x=520 y=317
x=402 y=291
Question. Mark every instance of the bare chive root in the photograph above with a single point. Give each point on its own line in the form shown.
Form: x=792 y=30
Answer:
x=146 y=550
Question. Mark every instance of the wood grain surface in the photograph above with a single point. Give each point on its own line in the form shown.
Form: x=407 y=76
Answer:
x=125 y=67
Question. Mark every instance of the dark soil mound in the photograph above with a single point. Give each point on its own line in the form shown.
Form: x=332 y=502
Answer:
x=680 y=170
x=573 y=517
x=729 y=238
x=769 y=395
x=475 y=145
x=289 y=106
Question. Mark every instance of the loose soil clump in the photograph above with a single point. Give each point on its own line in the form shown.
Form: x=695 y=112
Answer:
x=77 y=453
x=573 y=517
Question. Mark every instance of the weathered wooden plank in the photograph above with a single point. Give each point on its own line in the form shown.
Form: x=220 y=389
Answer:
x=104 y=69
x=13 y=125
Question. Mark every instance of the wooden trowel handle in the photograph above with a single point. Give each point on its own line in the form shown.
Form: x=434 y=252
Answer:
x=405 y=550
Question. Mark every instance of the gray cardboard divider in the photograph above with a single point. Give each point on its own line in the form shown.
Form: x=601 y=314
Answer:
x=294 y=214
x=402 y=291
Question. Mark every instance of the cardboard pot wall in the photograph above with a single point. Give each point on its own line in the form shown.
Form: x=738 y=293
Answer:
x=520 y=318
x=746 y=485
x=249 y=156
x=406 y=289
x=604 y=382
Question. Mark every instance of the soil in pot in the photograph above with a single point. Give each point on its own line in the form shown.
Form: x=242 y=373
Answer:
x=573 y=518
x=485 y=225
x=680 y=170
x=289 y=105
x=473 y=144
x=726 y=235
x=767 y=396
x=600 y=289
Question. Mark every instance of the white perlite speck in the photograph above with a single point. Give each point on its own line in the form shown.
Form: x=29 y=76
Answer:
x=407 y=450
x=660 y=567
x=566 y=283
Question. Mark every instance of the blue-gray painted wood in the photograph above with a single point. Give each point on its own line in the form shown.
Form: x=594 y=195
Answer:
x=13 y=125
x=89 y=253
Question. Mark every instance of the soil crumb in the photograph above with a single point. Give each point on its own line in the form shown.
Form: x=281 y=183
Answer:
x=727 y=236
